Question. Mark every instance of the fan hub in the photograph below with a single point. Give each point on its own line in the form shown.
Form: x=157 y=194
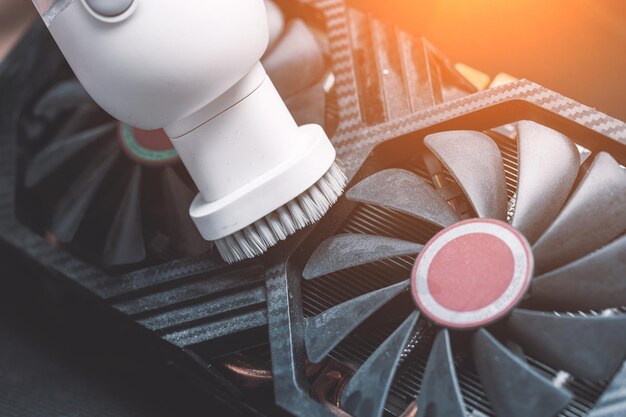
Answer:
x=472 y=273
x=148 y=147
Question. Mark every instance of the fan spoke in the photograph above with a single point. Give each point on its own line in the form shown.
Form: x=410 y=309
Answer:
x=406 y=192
x=124 y=244
x=324 y=331
x=548 y=165
x=593 y=216
x=178 y=198
x=296 y=62
x=476 y=164
x=597 y=281
x=513 y=387
x=440 y=395
x=587 y=347
x=345 y=251
x=63 y=96
x=61 y=150
x=72 y=207
x=366 y=393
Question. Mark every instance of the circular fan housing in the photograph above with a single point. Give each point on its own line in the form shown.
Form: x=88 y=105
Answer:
x=472 y=273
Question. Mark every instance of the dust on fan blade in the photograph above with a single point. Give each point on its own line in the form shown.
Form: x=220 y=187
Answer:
x=406 y=192
x=548 y=165
x=594 y=282
x=593 y=216
x=348 y=250
x=476 y=164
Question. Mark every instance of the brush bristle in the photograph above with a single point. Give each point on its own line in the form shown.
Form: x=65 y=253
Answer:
x=303 y=210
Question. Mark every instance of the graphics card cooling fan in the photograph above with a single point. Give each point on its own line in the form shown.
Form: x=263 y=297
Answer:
x=110 y=188
x=474 y=273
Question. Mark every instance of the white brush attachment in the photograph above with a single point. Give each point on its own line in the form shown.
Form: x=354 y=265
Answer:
x=260 y=176
x=307 y=208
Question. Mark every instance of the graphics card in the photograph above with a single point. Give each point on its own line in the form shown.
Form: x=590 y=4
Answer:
x=350 y=330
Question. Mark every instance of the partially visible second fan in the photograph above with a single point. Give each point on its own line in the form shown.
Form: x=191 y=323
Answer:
x=110 y=188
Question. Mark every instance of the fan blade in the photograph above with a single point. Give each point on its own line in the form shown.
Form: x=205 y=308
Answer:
x=178 y=198
x=61 y=150
x=275 y=22
x=440 y=395
x=406 y=192
x=597 y=281
x=512 y=386
x=124 y=244
x=324 y=331
x=593 y=216
x=296 y=62
x=476 y=164
x=612 y=403
x=72 y=207
x=345 y=251
x=548 y=165
x=309 y=105
x=587 y=347
x=366 y=393
x=62 y=97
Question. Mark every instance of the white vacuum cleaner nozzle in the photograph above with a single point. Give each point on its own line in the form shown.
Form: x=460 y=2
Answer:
x=195 y=72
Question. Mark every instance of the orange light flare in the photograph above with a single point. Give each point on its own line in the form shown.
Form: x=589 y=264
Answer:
x=562 y=44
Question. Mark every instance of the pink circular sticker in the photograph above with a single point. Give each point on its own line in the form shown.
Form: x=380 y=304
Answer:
x=472 y=273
